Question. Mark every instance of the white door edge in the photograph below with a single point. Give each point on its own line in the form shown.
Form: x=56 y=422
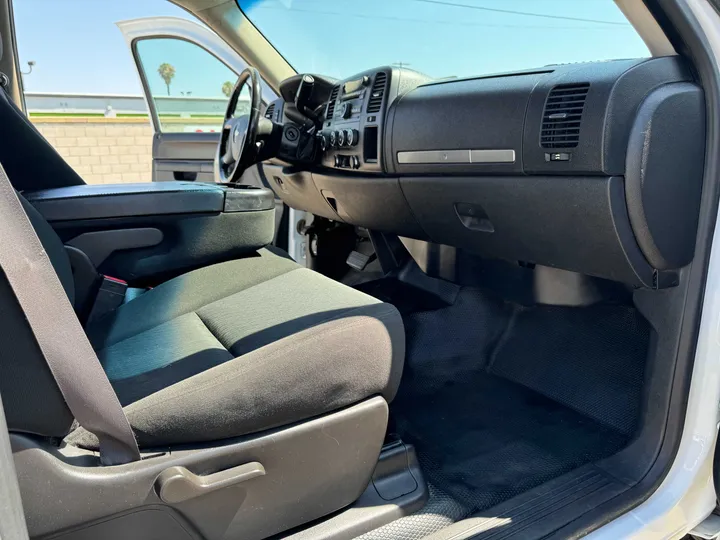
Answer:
x=687 y=494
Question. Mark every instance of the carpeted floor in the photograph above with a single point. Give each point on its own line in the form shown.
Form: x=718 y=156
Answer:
x=499 y=398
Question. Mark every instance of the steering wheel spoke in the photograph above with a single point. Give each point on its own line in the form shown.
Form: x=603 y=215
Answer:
x=227 y=157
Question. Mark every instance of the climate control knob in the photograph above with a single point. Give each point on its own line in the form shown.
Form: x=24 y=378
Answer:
x=333 y=139
x=346 y=110
x=341 y=140
x=324 y=142
x=351 y=137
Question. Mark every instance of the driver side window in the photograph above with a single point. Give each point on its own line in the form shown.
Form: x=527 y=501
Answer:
x=189 y=86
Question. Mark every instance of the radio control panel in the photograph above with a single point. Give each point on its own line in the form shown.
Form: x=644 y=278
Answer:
x=351 y=132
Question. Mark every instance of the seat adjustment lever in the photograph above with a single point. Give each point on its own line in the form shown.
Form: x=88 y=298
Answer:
x=177 y=484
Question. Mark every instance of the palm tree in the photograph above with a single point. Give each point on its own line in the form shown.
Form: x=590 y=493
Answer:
x=167 y=72
x=227 y=88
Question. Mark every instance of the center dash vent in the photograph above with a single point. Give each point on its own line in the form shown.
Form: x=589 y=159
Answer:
x=377 y=92
x=270 y=111
x=331 y=103
x=562 y=115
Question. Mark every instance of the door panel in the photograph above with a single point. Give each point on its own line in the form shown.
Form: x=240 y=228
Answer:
x=184 y=156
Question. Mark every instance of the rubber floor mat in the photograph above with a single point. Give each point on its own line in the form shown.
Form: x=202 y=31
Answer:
x=591 y=359
x=439 y=512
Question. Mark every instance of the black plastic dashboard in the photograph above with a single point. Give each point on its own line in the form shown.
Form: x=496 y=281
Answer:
x=593 y=167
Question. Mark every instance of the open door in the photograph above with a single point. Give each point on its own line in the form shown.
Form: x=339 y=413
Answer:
x=186 y=72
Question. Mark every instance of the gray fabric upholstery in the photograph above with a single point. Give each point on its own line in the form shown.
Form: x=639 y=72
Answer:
x=317 y=370
x=183 y=337
x=24 y=373
x=219 y=352
x=59 y=334
x=277 y=308
x=245 y=346
x=53 y=247
x=31 y=398
x=185 y=294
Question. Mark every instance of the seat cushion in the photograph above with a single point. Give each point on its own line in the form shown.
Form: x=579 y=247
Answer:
x=231 y=349
x=185 y=294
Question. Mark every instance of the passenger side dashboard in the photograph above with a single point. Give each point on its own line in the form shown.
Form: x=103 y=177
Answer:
x=595 y=167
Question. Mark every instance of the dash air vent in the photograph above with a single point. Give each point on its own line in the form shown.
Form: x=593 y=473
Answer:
x=377 y=92
x=270 y=111
x=331 y=103
x=562 y=115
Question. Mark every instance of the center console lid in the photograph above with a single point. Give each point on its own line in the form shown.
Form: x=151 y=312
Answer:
x=143 y=199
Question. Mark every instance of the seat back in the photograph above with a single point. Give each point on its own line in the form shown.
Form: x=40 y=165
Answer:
x=27 y=157
x=49 y=373
x=32 y=400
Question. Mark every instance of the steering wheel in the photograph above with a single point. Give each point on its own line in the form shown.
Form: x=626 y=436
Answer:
x=237 y=148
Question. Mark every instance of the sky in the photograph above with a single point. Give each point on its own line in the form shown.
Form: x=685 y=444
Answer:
x=78 y=48
x=187 y=59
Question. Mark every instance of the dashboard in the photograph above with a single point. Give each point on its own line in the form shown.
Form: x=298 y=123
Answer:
x=593 y=167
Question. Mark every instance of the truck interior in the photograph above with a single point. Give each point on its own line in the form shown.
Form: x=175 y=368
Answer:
x=490 y=336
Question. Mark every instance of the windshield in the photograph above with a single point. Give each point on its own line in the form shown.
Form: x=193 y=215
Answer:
x=442 y=38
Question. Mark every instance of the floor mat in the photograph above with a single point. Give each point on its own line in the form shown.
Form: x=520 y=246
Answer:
x=439 y=512
x=475 y=399
x=591 y=359
x=406 y=298
x=484 y=440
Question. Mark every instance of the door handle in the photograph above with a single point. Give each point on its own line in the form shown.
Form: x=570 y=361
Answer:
x=177 y=484
x=187 y=176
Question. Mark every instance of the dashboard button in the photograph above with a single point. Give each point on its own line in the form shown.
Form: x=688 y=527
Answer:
x=355 y=162
x=341 y=140
x=324 y=142
x=333 y=139
x=338 y=161
x=352 y=136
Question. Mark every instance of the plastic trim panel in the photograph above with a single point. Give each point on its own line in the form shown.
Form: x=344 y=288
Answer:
x=312 y=469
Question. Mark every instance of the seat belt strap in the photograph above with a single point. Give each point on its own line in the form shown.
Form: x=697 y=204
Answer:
x=68 y=353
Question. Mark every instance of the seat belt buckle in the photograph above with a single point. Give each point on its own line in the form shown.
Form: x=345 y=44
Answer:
x=109 y=297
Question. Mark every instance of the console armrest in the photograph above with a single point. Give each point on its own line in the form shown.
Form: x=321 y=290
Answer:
x=152 y=198
x=143 y=232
